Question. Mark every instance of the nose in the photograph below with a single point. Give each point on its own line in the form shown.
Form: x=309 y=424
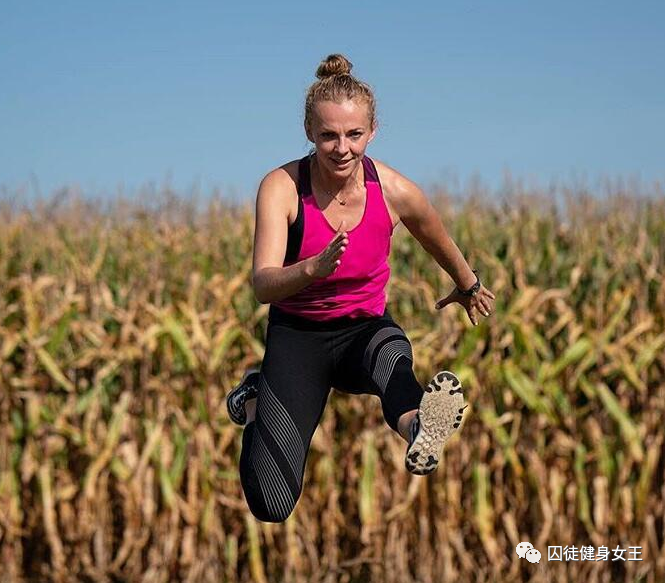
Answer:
x=342 y=145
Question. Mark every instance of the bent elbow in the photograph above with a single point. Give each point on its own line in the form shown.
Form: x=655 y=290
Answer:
x=259 y=293
x=260 y=298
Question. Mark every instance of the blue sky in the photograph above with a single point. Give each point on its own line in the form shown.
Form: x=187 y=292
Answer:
x=116 y=95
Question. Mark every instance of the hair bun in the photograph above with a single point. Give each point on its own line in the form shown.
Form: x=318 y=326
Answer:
x=334 y=65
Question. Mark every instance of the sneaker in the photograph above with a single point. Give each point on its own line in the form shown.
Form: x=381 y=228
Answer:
x=438 y=417
x=245 y=390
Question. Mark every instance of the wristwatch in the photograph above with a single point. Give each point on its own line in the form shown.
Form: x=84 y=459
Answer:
x=473 y=290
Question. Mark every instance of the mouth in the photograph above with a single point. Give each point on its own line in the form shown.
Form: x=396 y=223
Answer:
x=341 y=163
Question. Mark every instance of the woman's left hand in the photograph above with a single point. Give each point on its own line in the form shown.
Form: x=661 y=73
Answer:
x=482 y=302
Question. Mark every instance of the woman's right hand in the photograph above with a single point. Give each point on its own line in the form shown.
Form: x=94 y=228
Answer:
x=329 y=259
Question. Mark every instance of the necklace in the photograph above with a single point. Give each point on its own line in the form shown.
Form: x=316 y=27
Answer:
x=342 y=202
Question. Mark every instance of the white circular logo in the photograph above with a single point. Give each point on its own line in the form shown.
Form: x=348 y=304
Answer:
x=522 y=548
x=533 y=556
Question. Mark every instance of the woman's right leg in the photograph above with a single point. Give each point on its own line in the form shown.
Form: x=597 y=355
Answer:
x=293 y=391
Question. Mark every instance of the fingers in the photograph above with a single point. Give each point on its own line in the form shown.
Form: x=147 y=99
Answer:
x=484 y=307
x=340 y=241
x=333 y=258
x=482 y=302
x=341 y=237
x=485 y=292
x=472 y=308
x=340 y=234
x=338 y=246
x=442 y=303
x=471 y=312
x=333 y=252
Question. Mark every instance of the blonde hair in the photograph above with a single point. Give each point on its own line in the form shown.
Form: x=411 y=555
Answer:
x=337 y=84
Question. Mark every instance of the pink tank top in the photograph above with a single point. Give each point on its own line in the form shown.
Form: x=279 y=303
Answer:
x=357 y=287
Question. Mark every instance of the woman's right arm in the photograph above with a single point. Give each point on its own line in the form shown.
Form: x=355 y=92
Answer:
x=273 y=282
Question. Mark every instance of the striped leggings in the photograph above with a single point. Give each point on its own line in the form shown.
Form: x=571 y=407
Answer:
x=303 y=360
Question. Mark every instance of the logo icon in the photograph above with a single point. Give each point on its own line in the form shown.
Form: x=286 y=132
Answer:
x=526 y=551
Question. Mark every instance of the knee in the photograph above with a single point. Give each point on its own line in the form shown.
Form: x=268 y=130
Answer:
x=389 y=359
x=268 y=508
x=271 y=488
x=269 y=497
x=265 y=514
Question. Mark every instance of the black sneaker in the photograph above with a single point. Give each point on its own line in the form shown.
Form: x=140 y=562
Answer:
x=236 y=399
x=438 y=417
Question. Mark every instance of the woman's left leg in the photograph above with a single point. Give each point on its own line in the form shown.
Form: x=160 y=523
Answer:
x=378 y=359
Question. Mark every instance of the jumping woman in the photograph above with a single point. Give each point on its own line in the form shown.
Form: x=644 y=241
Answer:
x=322 y=239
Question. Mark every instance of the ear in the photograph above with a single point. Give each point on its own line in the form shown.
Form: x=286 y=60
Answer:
x=308 y=132
x=372 y=133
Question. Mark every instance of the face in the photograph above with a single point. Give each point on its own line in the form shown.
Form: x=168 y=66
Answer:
x=340 y=132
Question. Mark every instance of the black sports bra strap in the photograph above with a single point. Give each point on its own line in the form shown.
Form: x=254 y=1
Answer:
x=296 y=229
x=303 y=177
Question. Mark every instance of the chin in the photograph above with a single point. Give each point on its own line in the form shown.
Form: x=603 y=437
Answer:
x=350 y=167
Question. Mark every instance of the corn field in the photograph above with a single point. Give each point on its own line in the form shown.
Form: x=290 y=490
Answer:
x=123 y=327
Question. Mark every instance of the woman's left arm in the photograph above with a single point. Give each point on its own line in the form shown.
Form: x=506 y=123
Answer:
x=423 y=222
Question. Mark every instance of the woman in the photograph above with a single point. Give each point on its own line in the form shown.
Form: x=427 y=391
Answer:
x=322 y=238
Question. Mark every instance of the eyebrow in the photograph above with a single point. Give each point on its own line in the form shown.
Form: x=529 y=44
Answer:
x=329 y=131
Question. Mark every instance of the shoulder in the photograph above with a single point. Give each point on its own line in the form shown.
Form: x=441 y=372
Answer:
x=281 y=179
x=404 y=195
x=278 y=189
x=394 y=183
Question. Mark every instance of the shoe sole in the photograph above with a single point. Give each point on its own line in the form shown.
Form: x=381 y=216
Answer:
x=440 y=412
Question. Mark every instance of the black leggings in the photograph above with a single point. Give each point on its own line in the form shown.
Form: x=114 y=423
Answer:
x=303 y=359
